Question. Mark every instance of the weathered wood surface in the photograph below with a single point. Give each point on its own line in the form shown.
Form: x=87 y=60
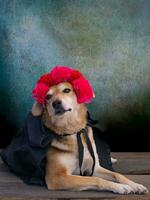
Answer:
x=12 y=188
x=132 y=163
x=128 y=163
x=20 y=190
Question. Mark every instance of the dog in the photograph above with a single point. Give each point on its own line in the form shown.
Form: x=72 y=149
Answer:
x=63 y=114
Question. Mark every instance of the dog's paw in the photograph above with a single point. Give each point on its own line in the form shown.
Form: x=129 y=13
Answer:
x=139 y=189
x=123 y=189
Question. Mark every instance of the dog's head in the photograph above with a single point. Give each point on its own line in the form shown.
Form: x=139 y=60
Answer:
x=61 y=100
x=62 y=94
x=61 y=111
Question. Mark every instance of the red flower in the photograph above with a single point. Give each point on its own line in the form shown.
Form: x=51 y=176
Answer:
x=46 y=78
x=39 y=92
x=83 y=90
x=61 y=74
x=75 y=74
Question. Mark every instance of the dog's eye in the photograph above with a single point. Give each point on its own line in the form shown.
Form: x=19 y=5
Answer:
x=49 y=96
x=66 y=90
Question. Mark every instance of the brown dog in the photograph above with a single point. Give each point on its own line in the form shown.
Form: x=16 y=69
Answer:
x=64 y=115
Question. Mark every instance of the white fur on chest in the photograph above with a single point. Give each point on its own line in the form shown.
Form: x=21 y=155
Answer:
x=87 y=163
x=71 y=160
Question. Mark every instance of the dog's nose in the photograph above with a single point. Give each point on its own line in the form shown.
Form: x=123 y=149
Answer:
x=56 y=103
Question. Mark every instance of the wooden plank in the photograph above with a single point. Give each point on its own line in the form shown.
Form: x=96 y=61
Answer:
x=11 y=178
x=8 y=177
x=132 y=163
x=129 y=197
x=21 y=190
x=111 y=198
x=13 y=188
x=128 y=163
x=131 y=154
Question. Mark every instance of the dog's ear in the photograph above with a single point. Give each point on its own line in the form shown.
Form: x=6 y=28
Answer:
x=37 y=109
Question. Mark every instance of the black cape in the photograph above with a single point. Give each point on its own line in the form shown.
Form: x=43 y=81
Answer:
x=25 y=156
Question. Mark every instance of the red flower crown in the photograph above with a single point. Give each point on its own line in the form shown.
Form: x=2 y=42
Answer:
x=59 y=74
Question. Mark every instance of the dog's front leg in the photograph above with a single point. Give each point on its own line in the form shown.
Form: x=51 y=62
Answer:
x=71 y=182
x=113 y=176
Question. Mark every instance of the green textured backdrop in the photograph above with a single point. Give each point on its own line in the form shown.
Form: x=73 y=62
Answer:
x=109 y=41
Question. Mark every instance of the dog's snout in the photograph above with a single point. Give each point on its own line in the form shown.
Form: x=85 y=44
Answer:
x=56 y=103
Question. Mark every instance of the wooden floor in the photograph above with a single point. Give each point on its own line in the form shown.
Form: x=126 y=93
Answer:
x=135 y=165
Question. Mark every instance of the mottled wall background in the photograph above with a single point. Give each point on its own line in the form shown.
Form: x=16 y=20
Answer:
x=109 y=41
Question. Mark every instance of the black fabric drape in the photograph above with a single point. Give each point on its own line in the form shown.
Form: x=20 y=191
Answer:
x=25 y=156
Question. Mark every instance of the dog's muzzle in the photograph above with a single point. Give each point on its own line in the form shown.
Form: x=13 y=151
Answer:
x=59 y=109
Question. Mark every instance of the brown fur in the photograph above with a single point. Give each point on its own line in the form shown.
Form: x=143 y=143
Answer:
x=62 y=168
x=71 y=124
